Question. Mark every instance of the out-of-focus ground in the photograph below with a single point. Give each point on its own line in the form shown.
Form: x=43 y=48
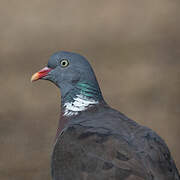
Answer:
x=133 y=46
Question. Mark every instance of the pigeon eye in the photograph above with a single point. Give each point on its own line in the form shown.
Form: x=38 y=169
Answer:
x=64 y=63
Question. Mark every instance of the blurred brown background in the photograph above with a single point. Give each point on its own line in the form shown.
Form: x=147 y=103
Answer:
x=133 y=46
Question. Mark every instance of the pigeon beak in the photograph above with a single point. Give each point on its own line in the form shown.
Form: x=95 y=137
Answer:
x=42 y=73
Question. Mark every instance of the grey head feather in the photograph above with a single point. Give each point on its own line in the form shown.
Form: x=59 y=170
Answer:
x=77 y=76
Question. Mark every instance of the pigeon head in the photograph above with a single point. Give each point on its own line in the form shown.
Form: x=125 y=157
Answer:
x=73 y=74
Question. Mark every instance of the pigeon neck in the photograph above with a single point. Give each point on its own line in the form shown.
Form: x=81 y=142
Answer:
x=80 y=98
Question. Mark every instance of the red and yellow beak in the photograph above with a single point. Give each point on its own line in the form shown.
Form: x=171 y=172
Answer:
x=42 y=73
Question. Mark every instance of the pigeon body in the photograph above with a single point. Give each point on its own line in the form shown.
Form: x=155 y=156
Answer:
x=95 y=141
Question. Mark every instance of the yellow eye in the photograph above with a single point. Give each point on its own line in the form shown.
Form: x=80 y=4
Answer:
x=64 y=63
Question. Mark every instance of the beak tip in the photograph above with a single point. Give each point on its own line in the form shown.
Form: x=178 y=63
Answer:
x=34 y=77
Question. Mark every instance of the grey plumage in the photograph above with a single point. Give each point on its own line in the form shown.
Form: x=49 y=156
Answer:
x=100 y=143
x=106 y=145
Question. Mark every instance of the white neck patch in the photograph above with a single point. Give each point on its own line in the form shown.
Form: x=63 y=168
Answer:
x=80 y=103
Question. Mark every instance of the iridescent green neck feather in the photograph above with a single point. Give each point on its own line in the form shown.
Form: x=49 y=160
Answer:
x=85 y=89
